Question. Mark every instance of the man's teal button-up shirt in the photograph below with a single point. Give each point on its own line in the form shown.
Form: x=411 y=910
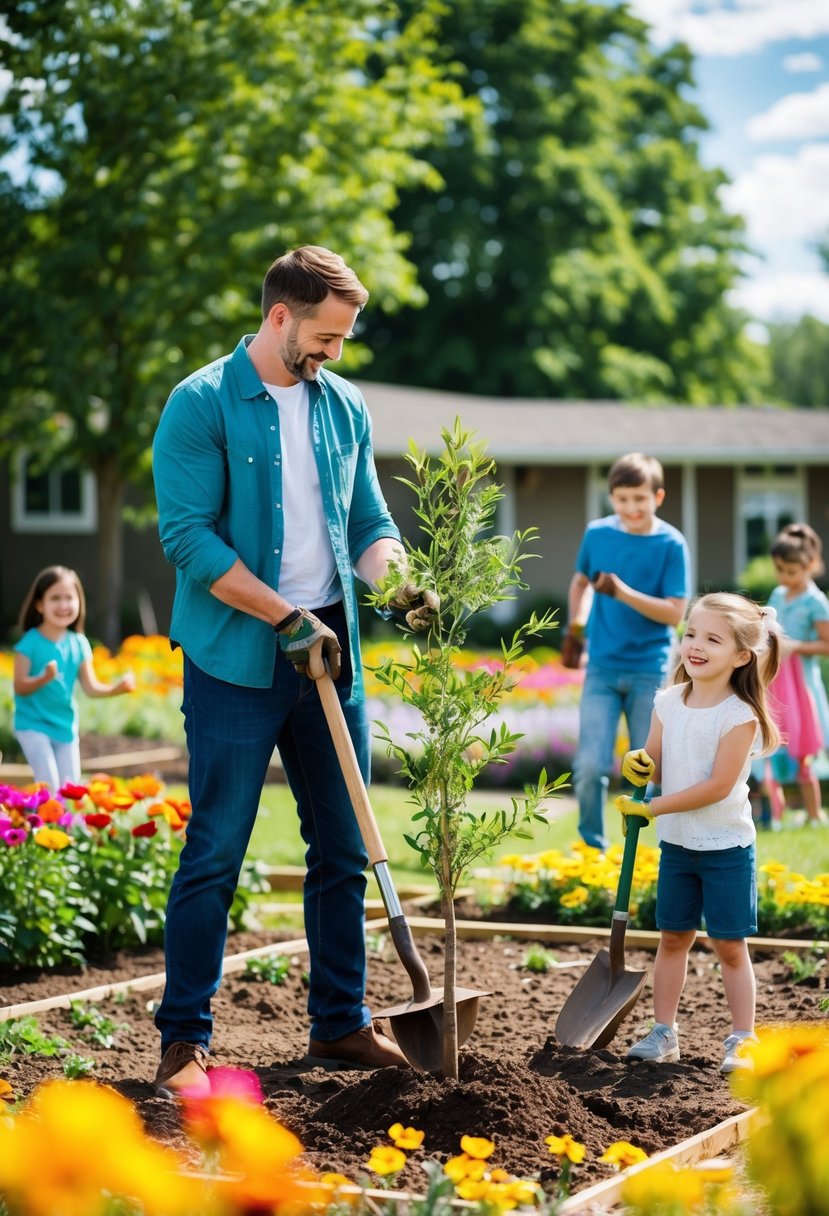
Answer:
x=217 y=464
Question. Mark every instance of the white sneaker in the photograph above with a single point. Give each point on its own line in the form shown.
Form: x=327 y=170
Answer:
x=734 y=1058
x=661 y=1045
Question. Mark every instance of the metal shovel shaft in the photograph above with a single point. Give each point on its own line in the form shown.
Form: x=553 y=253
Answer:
x=608 y=990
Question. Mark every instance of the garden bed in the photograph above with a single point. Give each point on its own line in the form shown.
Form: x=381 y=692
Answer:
x=517 y=1084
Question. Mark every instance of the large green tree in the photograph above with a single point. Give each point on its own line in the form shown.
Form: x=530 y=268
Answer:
x=157 y=155
x=578 y=247
x=799 y=352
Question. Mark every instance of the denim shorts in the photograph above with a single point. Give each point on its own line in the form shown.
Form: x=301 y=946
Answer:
x=719 y=885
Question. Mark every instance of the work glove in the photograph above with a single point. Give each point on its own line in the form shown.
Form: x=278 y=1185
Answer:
x=417 y=606
x=626 y=805
x=296 y=640
x=605 y=584
x=572 y=647
x=638 y=767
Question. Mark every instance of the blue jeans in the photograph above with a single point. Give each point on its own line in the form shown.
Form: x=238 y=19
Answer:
x=605 y=697
x=231 y=734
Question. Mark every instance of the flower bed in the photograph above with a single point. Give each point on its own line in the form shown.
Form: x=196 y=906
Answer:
x=86 y=869
x=580 y=889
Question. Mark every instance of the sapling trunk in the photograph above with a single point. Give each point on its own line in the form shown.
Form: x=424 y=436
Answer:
x=450 y=966
x=469 y=569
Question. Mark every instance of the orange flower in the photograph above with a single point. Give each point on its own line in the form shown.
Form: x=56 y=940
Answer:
x=51 y=810
x=145 y=786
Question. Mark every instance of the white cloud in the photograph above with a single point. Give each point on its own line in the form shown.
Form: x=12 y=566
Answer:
x=808 y=61
x=783 y=198
x=778 y=297
x=798 y=116
x=712 y=27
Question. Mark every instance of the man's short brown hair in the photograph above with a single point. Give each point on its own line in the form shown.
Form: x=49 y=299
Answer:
x=635 y=469
x=303 y=278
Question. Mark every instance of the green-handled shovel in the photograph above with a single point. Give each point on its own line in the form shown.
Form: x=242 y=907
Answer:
x=608 y=990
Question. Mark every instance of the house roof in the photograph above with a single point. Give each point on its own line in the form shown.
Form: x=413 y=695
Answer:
x=521 y=431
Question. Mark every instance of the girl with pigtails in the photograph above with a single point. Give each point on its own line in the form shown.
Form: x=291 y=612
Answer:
x=705 y=729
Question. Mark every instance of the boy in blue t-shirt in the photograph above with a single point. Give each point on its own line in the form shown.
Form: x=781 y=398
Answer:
x=631 y=586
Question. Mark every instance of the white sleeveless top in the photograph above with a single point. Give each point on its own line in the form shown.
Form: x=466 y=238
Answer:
x=690 y=738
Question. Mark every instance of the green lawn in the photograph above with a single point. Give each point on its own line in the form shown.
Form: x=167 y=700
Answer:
x=276 y=838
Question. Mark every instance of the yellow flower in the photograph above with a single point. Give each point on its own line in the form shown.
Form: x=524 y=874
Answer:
x=478 y=1147
x=76 y=1141
x=464 y=1166
x=51 y=838
x=405 y=1137
x=474 y=1189
x=621 y=1154
x=575 y=898
x=6 y=1091
x=566 y=1146
x=662 y=1187
x=773 y=868
x=386 y=1160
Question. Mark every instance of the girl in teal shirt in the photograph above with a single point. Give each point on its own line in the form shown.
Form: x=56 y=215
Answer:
x=49 y=659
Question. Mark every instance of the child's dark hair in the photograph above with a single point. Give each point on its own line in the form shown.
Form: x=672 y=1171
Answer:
x=31 y=617
x=799 y=543
x=755 y=629
x=635 y=469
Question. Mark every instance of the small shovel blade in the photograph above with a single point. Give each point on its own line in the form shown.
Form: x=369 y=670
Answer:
x=418 y=1026
x=598 y=1004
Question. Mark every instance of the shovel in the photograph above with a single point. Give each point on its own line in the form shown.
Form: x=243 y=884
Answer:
x=417 y=1024
x=608 y=990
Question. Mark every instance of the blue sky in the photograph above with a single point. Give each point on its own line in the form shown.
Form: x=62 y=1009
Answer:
x=762 y=70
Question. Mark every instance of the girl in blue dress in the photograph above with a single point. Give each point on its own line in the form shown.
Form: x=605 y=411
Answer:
x=798 y=695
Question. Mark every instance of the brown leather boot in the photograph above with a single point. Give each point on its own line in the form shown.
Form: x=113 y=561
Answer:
x=363 y=1049
x=183 y=1067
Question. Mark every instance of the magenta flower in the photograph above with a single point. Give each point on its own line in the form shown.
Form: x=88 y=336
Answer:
x=13 y=836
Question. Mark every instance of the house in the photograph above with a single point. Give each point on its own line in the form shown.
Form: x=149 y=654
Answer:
x=733 y=477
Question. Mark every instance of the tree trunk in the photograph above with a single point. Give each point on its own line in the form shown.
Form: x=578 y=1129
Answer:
x=450 y=1006
x=110 y=574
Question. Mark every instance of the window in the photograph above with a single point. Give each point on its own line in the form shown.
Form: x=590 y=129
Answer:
x=768 y=498
x=52 y=500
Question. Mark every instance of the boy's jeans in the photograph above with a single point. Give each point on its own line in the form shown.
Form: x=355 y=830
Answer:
x=605 y=697
x=231 y=733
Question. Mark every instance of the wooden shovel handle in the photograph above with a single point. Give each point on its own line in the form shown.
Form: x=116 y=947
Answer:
x=346 y=755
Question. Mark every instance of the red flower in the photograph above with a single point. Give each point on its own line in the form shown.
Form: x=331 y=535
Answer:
x=98 y=820
x=145 y=829
x=75 y=792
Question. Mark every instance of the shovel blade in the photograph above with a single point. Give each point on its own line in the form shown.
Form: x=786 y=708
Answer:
x=418 y=1026
x=598 y=1004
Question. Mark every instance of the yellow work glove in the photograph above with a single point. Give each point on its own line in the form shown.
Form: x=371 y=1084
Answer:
x=626 y=805
x=638 y=767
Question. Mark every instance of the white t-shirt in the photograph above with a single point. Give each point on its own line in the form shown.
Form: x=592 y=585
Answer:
x=308 y=571
x=690 y=738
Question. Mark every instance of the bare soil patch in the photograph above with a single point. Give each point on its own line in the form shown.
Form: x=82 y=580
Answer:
x=517 y=1084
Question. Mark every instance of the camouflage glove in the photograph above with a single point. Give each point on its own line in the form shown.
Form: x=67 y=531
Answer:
x=417 y=606
x=572 y=647
x=626 y=806
x=605 y=584
x=297 y=638
x=637 y=767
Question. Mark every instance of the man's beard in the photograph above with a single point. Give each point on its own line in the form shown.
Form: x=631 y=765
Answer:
x=299 y=365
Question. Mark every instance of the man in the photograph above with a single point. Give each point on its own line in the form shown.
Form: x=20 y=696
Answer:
x=268 y=504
